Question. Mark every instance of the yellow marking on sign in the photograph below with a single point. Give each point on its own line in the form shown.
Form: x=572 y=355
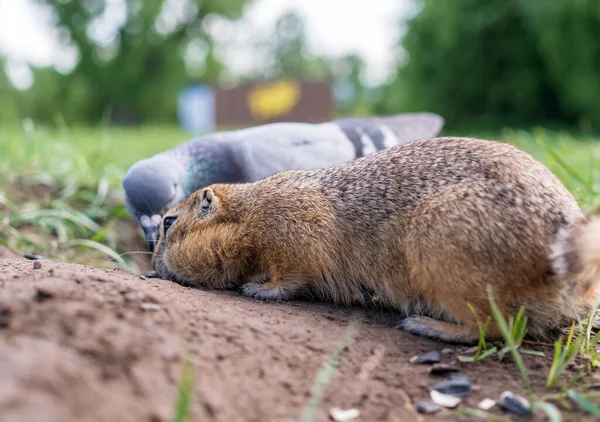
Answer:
x=274 y=99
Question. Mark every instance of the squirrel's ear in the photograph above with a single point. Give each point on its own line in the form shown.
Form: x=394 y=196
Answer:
x=206 y=199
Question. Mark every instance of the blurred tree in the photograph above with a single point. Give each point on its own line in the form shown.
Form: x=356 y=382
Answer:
x=567 y=34
x=8 y=98
x=474 y=60
x=350 y=91
x=133 y=56
x=292 y=56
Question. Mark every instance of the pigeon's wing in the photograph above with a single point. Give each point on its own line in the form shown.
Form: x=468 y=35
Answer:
x=266 y=150
x=376 y=133
x=262 y=151
x=411 y=126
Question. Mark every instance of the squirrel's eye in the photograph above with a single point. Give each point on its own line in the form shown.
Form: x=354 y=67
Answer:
x=168 y=222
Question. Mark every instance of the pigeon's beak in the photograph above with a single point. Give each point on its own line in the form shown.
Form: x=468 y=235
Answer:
x=151 y=233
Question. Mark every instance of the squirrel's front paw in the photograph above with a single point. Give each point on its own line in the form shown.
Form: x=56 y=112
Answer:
x=273 y=289
x=262 y=291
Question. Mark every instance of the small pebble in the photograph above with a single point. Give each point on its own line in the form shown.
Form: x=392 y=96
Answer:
x=42 y=294
x=457 y=387
x=340 y=415
x=441 y=369
x=37 y=265
x=486 y=404
x=429 y=357
x=149 y=306
x=427 y=407
x=515 y=404
x=32 y=256
x=444 y=400
x=447 y=351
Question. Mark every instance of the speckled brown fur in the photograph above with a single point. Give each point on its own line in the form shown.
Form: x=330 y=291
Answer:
x=426 y=226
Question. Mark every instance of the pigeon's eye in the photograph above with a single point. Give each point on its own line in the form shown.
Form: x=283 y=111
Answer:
x=168 y=222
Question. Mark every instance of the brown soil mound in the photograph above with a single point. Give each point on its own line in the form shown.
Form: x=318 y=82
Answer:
x=78 y=343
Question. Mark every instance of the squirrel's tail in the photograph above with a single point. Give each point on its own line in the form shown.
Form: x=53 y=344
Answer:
x=575 y=259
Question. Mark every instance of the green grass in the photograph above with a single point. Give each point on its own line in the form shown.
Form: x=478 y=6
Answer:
x=184 y=393
x=563 y=354
x=87 y=148
x=482 y=351
x=574 y=159
x=326 y=372
x=79 y=172
x=581 y=347
x=584 y=346
x=510 y=341
x=584 y=403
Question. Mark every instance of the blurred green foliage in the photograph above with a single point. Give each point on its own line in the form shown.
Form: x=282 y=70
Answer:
x=479 y=63
x=292 y=55
x=514 y=62
x=137 y=75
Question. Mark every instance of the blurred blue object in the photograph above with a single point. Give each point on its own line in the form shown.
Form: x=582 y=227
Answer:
x=196 y=109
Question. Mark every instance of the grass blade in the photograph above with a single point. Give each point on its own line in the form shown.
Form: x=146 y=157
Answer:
x=102 y=248
x=101 y=234
x=186 y=386
x=588 y=331
x=556 y=362
x=477 y=414
x=574 y=174
x=324 y=374
x=584 y=403
x=482 y=344
x=510 y=341
x=77 y=218
x=549 y=409
x=487 y=353
x=595 y=339
x=563 y=355
x=532 y=352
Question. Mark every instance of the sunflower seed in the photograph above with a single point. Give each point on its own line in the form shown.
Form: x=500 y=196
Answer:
x=340 y=415
x=457 y=387
x=444 y=400
x=515 y=404
x=486 y=404
x=429 y=357
x=441 y=369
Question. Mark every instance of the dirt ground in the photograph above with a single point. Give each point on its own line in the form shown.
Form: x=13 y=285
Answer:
x=86 y=344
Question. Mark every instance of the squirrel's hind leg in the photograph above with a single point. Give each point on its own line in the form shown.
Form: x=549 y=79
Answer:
x=442 y=330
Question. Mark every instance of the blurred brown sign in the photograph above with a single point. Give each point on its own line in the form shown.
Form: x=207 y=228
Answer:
x=282 y=100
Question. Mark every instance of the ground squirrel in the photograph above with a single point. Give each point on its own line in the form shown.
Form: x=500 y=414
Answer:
x=426 y=226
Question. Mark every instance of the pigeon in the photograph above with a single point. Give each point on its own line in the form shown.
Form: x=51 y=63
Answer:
x=155 y=184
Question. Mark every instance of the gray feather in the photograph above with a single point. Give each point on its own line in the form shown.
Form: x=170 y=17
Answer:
x=411 y=126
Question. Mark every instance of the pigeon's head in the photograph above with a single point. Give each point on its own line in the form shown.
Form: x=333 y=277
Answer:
x=152 y=186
